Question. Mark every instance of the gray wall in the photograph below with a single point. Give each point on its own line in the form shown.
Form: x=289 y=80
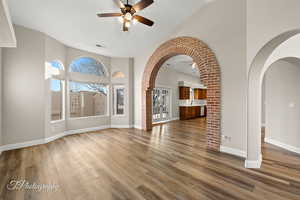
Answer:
x=124 y=65
x=23 y=88
x=283 y=102
x=169 y=78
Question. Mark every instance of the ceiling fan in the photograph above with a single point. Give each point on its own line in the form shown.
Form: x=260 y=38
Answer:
x=128 y=13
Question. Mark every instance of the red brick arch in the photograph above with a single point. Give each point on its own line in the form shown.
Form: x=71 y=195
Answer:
x=209 y=74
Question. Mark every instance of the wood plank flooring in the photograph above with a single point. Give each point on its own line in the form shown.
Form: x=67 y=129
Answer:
x=171 y=162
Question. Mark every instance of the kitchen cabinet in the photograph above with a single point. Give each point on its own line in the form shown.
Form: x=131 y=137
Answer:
x=200 y=93
x=190 y=112
x=184 y=93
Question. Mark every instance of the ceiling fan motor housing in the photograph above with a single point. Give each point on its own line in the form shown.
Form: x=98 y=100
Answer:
x=128 y=9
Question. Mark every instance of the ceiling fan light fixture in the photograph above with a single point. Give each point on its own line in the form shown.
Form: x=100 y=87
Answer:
x=121 y=19
x=127 y=24
x=134 y=21
x=128 y=16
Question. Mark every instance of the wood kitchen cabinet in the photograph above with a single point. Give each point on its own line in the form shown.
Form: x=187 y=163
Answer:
x=190 y=112
x=200 y=93
x=184 y=93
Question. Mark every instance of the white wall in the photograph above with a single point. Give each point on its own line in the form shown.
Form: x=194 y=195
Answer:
x=282 y=102
x=169 y=78
x=222 y=25
x=267 y=19
x=24 y=87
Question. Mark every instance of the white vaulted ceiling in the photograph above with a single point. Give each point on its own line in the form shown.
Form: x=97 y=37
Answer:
x=183 y=64
x=74 y=22
x=7 y=34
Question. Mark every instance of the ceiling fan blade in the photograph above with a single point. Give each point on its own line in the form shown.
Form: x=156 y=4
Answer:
x=124 y=27
x=109 y=15
x=119 y=3
x=142 y=4
x=143 y=20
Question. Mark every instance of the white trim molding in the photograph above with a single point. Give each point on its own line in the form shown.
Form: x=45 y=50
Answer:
x=165 y=121
x=121 y=126
x=253 y=164
x=49 y=139
x=8 y=147
x=136 y=126
x=283 y=145
x=78 y=131
x=233 y=151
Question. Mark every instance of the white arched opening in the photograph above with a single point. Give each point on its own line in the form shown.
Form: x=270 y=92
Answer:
x=262 y=61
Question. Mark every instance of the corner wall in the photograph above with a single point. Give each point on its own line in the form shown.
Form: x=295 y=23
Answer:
x=24 y=87
x=282 y=103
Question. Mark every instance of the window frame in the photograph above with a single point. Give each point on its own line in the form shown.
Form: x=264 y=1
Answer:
x=62 y=85
x=114 y=100
x=60 y=76
x=92 y=116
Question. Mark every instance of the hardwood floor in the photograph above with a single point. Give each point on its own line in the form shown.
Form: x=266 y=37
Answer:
x=170 y=162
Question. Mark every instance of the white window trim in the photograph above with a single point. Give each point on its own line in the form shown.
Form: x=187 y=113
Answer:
x=115 y=87
x=63 y=105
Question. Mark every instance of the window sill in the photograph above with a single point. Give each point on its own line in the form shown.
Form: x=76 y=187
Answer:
x=57 y=121
x=89 y=117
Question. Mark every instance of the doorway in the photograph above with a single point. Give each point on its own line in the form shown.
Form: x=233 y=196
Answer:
x=209 y=69
x=161 y=105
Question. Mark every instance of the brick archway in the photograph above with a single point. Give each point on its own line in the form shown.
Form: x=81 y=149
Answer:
x=209 y=74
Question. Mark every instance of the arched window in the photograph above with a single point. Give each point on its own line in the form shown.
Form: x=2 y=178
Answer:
x=56 y=64
x=88 y=95
x=88 y=66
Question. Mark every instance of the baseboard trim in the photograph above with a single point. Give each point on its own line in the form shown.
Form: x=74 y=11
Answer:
x=55 y=137
x=283 y=145
x=233 y=151
x=78 y=131
x=49 y=139
x=253 y=164
x=21 y=145
x=137 y=127
x=122 y=126
x=166 y=121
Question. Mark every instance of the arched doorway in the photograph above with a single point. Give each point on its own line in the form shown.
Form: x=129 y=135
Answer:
x=255 y=78
x=210 y=76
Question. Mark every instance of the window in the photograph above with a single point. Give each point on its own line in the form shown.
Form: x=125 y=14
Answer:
x=88 y=99
x=118 y=75
x=118 y=98
x=87 y=66
x=56 y=99
x=54 y=74
x=56 y=65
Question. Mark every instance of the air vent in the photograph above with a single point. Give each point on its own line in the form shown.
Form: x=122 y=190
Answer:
x=99 y=45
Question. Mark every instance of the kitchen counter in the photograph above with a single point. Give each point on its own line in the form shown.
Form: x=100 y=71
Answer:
x=193 y=105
